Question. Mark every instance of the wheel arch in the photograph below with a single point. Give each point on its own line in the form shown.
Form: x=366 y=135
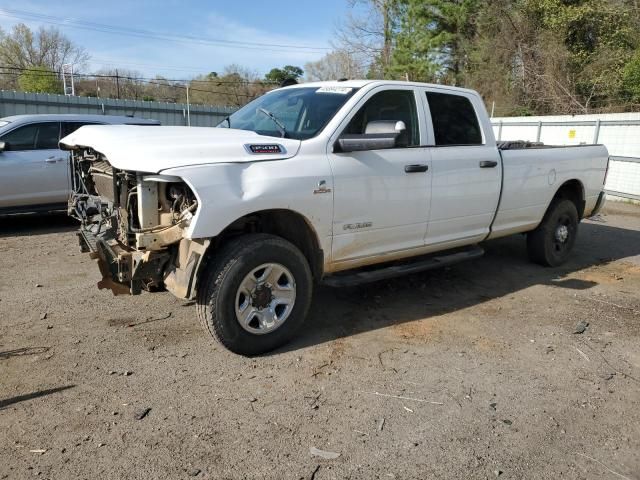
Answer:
x=571 y=190
x=287 y=224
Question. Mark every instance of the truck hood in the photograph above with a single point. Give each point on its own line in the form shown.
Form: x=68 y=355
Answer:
x=153 y=149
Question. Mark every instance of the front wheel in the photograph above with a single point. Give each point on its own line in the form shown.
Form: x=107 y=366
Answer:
x=551 y=243
x=255 y=294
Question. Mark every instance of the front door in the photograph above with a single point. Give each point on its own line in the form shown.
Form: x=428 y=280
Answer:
x=33 y=171
x=381 y=197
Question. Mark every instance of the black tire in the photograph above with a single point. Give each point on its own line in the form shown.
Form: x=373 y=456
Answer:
x=547 y=244
x=219 y=286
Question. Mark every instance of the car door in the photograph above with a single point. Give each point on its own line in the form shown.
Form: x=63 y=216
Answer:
x=381 y=197
x=33 y=171
x=466 y=171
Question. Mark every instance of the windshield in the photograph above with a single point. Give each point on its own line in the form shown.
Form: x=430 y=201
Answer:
x=298 y=113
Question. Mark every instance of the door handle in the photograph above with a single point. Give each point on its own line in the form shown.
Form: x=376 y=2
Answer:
x=488 y=164
x=416 y=168
x=53 y=159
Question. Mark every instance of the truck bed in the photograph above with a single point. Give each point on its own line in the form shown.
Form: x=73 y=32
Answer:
x=525 y=144
x=532 y=174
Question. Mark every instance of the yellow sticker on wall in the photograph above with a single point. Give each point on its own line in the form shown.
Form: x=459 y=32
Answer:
x=572 y=134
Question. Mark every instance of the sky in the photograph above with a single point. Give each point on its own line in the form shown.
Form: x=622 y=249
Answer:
x=273 y=33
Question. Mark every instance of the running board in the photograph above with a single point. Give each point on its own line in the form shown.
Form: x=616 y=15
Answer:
x=358 y=277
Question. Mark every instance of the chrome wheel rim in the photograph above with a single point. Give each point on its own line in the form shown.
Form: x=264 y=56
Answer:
x=563 y=234
x=265 y=298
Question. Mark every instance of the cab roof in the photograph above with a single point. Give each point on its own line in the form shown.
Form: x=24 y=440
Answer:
x=376 y=83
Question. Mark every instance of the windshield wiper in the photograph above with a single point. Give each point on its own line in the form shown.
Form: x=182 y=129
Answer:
x=281 y=128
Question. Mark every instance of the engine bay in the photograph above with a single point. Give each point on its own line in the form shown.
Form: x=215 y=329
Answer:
x=130 y=203
x=133 y=223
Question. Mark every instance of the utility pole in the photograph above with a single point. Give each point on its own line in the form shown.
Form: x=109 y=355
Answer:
x=188 y=113
x=67 y=80
x=117 y=85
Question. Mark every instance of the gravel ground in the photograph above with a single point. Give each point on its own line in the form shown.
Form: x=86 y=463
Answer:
x=468 y=372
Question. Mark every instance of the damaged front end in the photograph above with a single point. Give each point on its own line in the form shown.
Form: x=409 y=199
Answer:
x=134 y=224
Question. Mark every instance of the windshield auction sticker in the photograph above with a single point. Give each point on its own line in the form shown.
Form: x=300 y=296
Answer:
x=340 y=90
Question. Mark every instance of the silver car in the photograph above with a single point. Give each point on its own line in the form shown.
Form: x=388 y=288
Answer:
x=34 y=172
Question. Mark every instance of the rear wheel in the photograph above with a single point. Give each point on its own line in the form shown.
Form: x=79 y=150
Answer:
x=551 y=243
x=255 y=294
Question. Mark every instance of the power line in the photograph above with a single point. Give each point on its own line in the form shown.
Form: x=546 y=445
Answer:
x=231 y=94
x=116 y=63
x=213 y=80
x=623 y=102
x=112 y=62
x=112 y=29
x=156 y=82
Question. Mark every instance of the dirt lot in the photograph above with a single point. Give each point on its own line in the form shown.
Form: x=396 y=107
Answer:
x=469 y=372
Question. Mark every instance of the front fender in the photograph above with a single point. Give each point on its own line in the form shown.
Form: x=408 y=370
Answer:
x=228 y=191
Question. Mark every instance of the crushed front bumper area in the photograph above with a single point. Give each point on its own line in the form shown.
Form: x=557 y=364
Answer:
x=124 y=270
x=135 y=226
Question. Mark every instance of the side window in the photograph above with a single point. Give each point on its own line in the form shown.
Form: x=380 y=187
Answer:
x=22 y=138
x=399 y=105
x=454 y=120
x=37 y=136
x=69 y=127
x=48 y=136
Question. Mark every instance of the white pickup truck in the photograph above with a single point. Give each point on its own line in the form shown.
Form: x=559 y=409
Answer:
x=335 y=182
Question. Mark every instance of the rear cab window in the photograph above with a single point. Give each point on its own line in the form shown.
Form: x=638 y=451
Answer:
x=454 y=120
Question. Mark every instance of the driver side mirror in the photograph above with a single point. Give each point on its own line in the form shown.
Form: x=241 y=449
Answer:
x=378 y=135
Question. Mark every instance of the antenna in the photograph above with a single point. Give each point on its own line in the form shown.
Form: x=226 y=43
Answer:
x=67 y=79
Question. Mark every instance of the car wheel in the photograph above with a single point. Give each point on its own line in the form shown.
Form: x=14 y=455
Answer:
x=551 y=243
x=255 y=294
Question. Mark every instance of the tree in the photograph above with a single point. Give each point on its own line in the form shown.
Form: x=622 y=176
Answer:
x=433 y=39
x=631 y=78
x=234 y=87
x=45 y=48
x=335 y=65
x=600 y=37
x=39 y=80
x=367 y=34
x=279 y=75
x=530 y=56
x=494 y=66
x=117 y=83
x=161 y=89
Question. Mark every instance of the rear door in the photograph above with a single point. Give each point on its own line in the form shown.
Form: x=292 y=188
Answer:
x=466 y=170
x=33 y=171
x=381 y=197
